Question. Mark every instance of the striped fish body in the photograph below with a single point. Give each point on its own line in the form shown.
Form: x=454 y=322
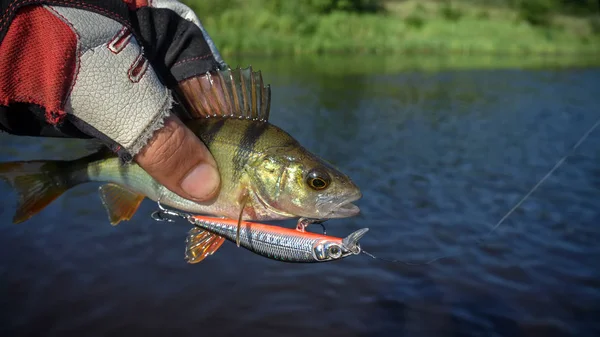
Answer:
x=265 y=173
x=238 y=146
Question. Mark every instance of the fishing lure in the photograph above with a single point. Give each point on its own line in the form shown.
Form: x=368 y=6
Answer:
x=297 y=245
x=277 y=243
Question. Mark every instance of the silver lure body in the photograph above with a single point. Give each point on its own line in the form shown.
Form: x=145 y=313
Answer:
x=273 y=242
x=267 y=243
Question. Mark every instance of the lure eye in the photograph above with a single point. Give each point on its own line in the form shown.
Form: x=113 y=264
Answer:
x=318 y=179
x=334 y=251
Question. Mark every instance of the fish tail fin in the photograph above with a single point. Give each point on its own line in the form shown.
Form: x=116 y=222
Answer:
x=37 y=184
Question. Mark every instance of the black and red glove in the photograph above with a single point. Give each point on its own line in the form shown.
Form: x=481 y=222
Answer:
x=101 y=69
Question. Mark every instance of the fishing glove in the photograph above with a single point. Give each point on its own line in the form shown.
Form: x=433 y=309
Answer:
x=97 y=68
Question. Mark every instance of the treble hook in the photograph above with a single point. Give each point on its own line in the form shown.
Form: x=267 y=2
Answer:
x=304 y=222
x=160 y=214
x=322 y=226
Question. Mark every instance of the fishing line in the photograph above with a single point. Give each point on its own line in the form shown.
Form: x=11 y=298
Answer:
x=398 y=261
x=511 y=211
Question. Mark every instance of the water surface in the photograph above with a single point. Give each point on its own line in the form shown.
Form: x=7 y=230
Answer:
x=440 y=155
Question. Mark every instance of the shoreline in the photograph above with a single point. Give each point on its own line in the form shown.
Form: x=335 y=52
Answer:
x=405 y=28
x=361 y=64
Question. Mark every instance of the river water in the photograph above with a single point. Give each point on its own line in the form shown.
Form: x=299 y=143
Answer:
x=440 y=155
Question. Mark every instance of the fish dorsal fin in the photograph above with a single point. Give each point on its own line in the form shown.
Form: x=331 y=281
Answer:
x=120 y=203
x=238 y=93
x=200 y=243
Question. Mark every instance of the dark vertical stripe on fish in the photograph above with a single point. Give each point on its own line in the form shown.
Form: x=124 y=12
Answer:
x=208 y=136
x=246 y=146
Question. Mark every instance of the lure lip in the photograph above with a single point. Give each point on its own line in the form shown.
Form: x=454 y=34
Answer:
x=351 y=243
x=330 y=250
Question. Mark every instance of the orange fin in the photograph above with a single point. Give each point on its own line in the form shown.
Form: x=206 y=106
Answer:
x=238 y=93
x=120 y=203
x=200 y=243
x=37 y=184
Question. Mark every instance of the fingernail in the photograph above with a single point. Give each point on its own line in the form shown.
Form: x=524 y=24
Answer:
x=201 y=182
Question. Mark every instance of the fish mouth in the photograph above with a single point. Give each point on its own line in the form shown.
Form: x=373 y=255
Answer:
x=346 y=208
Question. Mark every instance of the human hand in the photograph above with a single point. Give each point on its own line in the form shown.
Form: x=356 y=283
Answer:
x=108 y=74
x=177 y=159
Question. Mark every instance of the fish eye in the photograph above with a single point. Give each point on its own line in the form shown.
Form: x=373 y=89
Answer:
x=334 y=251
x=318 y=179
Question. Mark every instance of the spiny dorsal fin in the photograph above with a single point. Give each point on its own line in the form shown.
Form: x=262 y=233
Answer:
x=238 y=93
x=199 y=244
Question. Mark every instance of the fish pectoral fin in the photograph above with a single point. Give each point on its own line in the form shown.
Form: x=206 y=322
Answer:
x=200 y=243
x=119 y=202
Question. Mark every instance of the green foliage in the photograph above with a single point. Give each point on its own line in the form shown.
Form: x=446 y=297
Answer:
x=536 y=12
x=483 y=15
x=204 y=8
x=307 y=7
x=568 y=7
x=579 y=7
x=415 y=20
x=353 y=6
x=269 y=27
x=450 y=13
x=594 y=23
x=299 y=8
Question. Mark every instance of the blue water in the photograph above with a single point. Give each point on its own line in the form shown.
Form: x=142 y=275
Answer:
x=440 y=158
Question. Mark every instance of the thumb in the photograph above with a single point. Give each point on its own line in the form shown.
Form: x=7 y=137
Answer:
x=177 y=159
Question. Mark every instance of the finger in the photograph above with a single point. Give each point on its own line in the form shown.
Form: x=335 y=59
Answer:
x=177 y=159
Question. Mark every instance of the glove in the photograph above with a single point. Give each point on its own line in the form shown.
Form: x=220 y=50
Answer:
x=103 y=69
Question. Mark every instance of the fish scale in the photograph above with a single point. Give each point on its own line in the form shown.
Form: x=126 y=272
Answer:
x=265 y=173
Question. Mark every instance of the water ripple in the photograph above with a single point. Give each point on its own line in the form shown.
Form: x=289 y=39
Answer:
x=440 y=158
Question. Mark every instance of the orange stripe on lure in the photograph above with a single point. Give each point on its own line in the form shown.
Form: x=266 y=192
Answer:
x=274 y=242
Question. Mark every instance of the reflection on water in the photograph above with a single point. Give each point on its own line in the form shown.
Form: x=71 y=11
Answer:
x=440 y=156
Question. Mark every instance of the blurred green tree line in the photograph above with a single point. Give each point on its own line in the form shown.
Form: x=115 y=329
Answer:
x=287 y=7
x=570 y=7
x=539 y=12
x=384 y=26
